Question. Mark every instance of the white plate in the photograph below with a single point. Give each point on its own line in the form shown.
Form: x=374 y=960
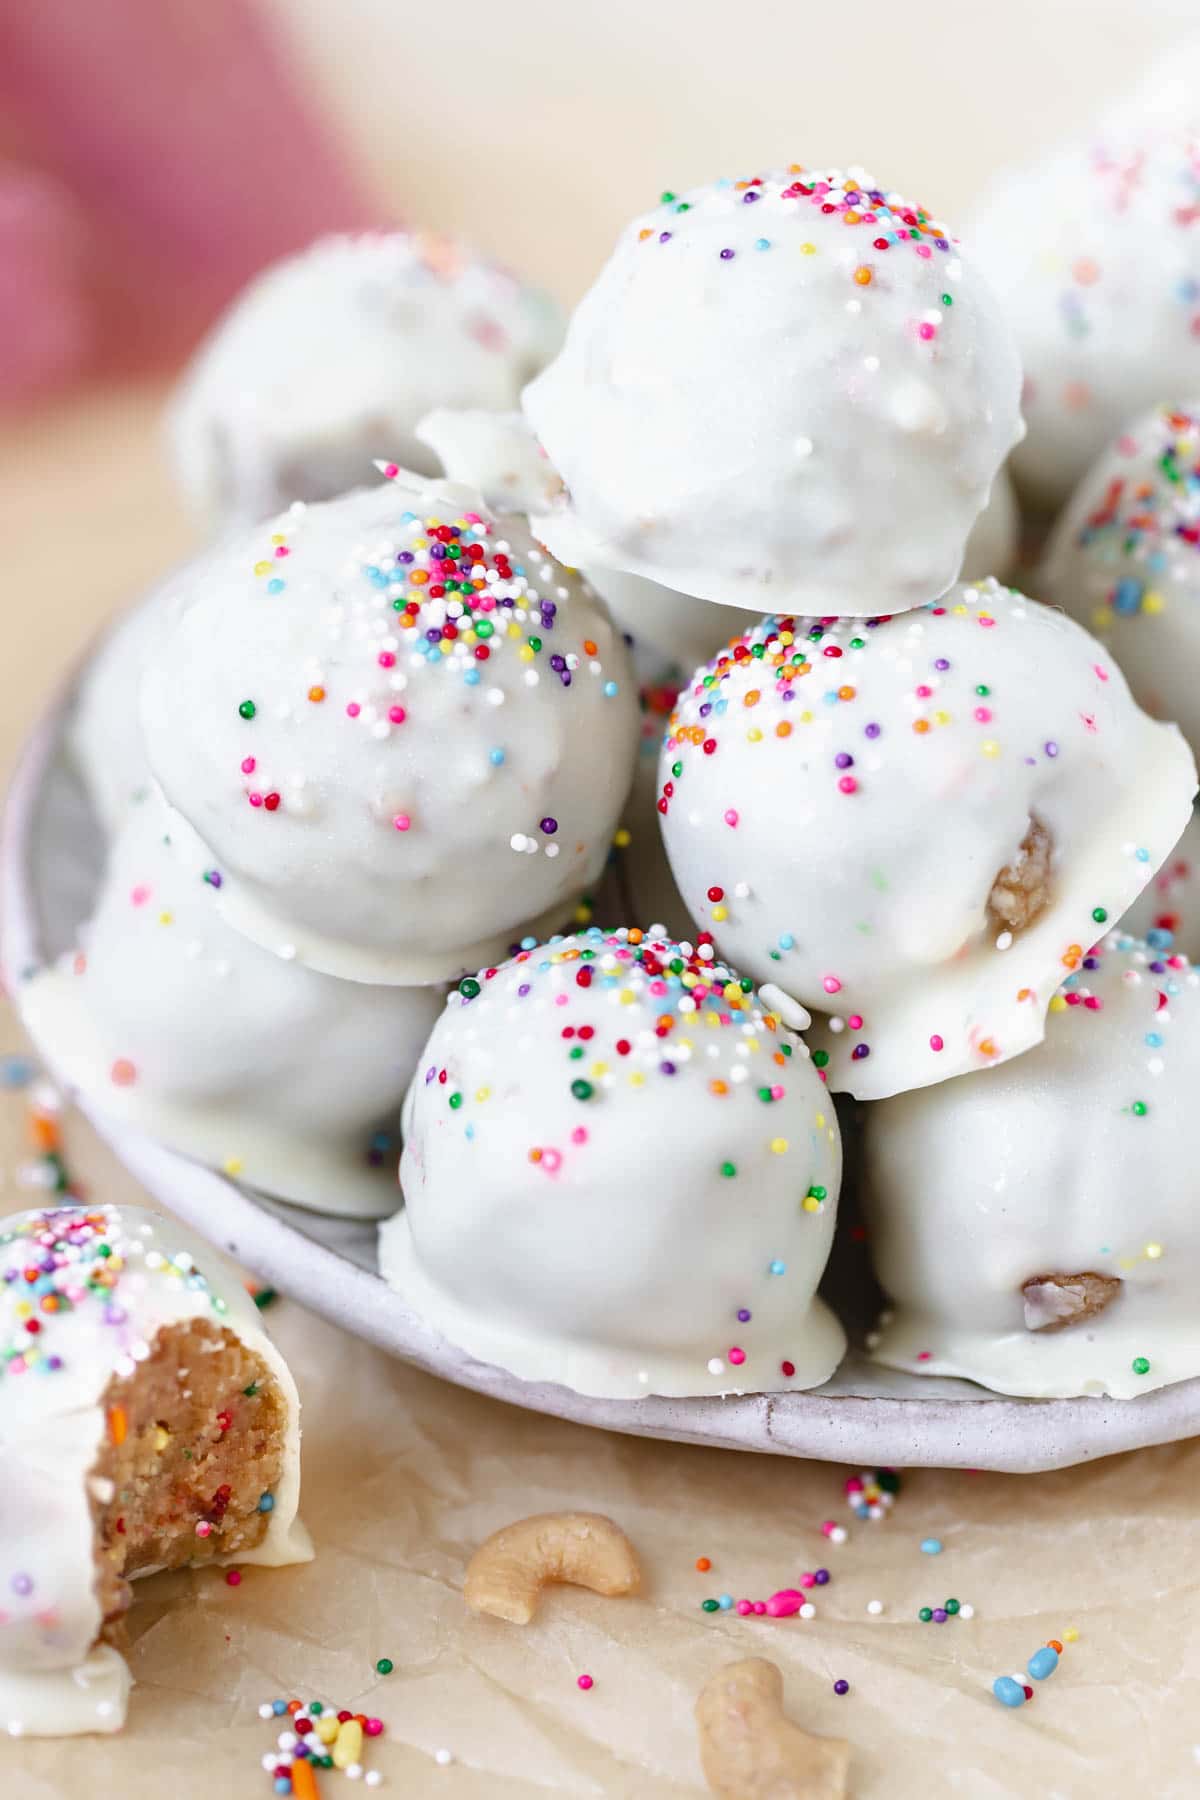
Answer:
x=50 y=857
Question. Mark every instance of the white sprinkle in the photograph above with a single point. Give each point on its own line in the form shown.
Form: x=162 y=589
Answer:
x=966 y=1612
x=874 y=1607
x=716 y=1366
x=443 y=1758
x=808 y=1610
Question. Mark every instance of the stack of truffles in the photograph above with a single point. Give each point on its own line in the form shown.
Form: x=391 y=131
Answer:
x=615 y=879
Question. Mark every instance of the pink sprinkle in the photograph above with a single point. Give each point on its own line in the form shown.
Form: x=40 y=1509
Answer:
x=731 y=817
x=808 y=1579
x=828 y=1527
x=254 y=799
x=386 y=660
x=744 y=1608
x=353 y=710
x=848 y=785
x=373 y=1727
x=391 y=470
x=552 y=1161
x=936 y=1042
x=760 y=1607
x=924 y=692
x=579 y=1135
x=397 y=715
x=249 y=764
x=924 y=1355
x=282 y=550
x=855 y=1021
x=402 y=822
x=926 y=331
x=203 y=1528
x=233 y=1578
x=140 y=895
x=783 y=1604
x=737 y=1357
x=1100 y=672
x=585 y=1682
x=983 y=714
x=832 y=985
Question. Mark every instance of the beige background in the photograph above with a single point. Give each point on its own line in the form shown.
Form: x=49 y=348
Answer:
x=535 y=129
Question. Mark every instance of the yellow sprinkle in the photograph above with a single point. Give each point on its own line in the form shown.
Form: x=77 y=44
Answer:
x=347 y=1748
x=626 y=997
x=599 y=1070
x=808 y=249
x=514 y=630
x=1058 y=1004
x=525 y=653
x=483 y=1093
x=622 y=838
x=1152 y=602
x=958 y=611
x=806 y=718
x=232 y=1165
x=941 y=718
x=162 y=1438
x=1154 y=1251
x=720 y=914
x=446 y=647
x=810 y=1205
x=263 y=568
x=328 y=1728
x=166 y=918
x=779 y=1145
x=990 y=747
x=754 y=735
x=637 y=1079
x=278 y=537
x=820 y=1121
x=1070 y=1635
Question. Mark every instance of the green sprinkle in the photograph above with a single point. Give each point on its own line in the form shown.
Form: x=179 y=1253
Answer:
x=817 y=1193
x=264 y=1297
x=947 y=300
x=315 y=1708
x=247 y=709
x=684 y=206
x=1141 y=1365
x=728 y=1169
x=983 y=691
x=384 y=1666
x=249 y=1393
x=925 y=1614
x=468 y=987
x=1100 y=914
x=950 y=1606
x=677 y=770
x=582 y=1090
x=455 y=1102
x=575 y=1052
x=820 y=1058
x=710 y=1606
x=1139 y=1109
x=535 y=644
x=484 y=628
x=666 y=197
x=766 y=1095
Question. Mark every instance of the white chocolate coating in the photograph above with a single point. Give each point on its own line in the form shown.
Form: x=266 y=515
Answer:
x=1076 y=1159
x=1167 y=911
x=758 y=405
x=330 y=358
x=992 y=545
x=104 y=731
x=107 y=1312
x=177 y=1025
x=837 y=812
x=1124 y=559
x=394 y=781
x=620 y=1173
x=1095 y=255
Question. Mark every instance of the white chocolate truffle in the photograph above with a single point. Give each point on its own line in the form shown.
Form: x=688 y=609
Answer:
x=330 y=358
x=1096 y=259
x=1124 y=559
x=1036 y=1226
x=104 y=732
x=401 y=732
x=913 y=824
x=620 y=1173
x=498 y=454
x=1167 y=911
x=175 y=1024
x=126 y=1445
x=792 y=393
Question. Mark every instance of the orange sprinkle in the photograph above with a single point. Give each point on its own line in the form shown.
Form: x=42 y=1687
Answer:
x=304 y=1781
x=43 y=1131
x=753 y=697
x=635 y=936
x=863 y=275
x=118 y=1424
x=589 y=647
x=987 y=1047
x=295 y=1706
x=703 y=1564
x=535 y=1156
x=718 y=1087
x=920 y=725
x=316 y=693
x=846 y=693
x=783 y=729
x=643 y=235
x=419 y=577
x=1051 y=1643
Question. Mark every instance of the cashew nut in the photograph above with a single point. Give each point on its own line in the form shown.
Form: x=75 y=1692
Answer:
x=749 y=1748
x=506 y=1575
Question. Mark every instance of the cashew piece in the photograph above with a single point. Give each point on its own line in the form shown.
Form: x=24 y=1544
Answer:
x=507 y=1573
x=749 y=1748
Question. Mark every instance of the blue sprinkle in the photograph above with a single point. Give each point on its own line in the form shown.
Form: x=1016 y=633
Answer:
x=495 y=757
x=725 y=1602
x=1127 y=595
x=279 y=1707
x=1154 y=1040
x=266 y=1503
x=1160 y=939
x=15 y=1072
x=1042 y=1663
x=787 y=941
x=1142 y=855
x=1007 y=1691
x=610 y=689
x=931 y=1546
x=275 y=585
x=472 y=677
x=778 y=1268
x=762 y=243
